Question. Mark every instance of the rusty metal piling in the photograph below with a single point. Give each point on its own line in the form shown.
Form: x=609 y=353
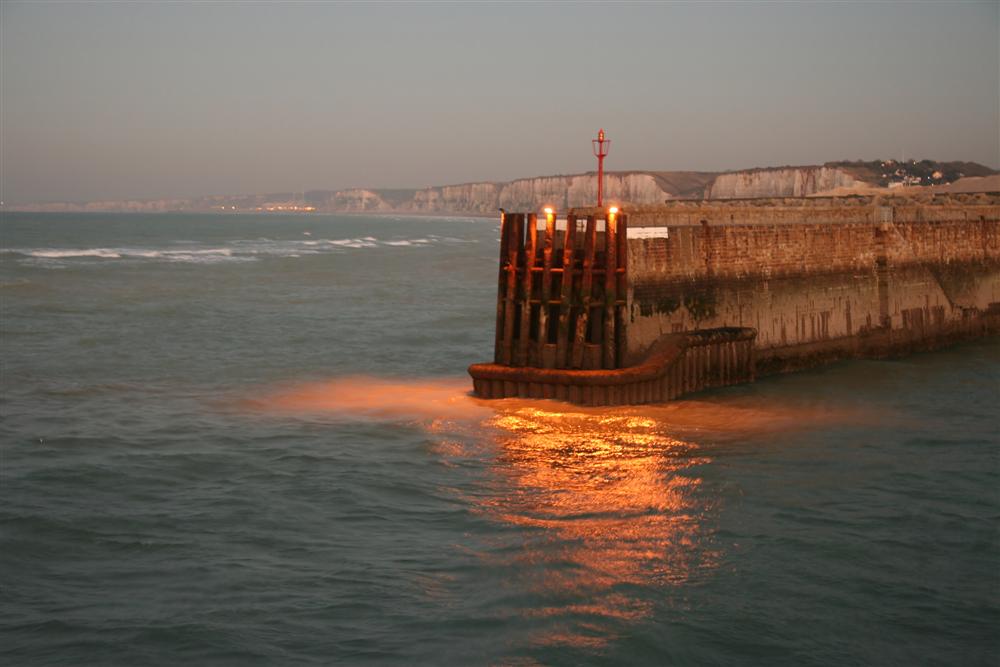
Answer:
x=566 y=292
x=527 y=275
x=586 y=285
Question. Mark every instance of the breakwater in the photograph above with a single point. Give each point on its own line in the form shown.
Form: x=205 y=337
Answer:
x=610 y=299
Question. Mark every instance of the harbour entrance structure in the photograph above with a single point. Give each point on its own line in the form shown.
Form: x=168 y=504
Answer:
x=646 y=304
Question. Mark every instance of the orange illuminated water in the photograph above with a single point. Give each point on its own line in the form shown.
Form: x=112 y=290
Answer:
x=609 y=501
x=608 y=498
x=450 y=399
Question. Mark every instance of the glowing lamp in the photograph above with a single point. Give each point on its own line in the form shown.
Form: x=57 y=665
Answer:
x=550 y=217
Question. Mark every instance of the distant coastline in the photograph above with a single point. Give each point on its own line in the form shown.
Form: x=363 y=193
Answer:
x=263 y=214
x=483 y=199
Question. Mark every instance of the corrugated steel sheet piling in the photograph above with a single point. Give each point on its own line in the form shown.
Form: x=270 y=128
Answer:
x=566 y=291
x=542 y=356
x=583 y=296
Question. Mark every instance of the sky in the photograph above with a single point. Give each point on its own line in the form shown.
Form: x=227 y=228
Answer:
x=158 y=100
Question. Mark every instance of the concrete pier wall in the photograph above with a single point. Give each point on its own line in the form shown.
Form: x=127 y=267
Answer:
x=817 y=278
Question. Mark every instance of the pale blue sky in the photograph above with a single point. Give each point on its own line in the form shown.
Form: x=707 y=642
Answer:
x=180 y=99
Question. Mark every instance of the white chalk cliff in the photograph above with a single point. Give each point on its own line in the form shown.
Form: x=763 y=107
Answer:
x=525 y=194
x=782 y=182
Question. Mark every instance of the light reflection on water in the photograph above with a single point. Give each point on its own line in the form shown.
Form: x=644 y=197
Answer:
x=437 y=402
x=610 y=504
x=608 y=501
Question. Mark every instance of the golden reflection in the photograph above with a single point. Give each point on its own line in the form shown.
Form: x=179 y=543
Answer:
x=609 y=501
x=432 y=401
x=442 y=403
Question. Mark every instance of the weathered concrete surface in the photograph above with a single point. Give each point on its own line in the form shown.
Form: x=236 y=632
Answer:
x=818 y=279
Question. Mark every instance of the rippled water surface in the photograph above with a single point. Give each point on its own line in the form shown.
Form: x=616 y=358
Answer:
x=249 y=440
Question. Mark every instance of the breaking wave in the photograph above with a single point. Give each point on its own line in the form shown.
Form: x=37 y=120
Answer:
x=240 y=250
x=85 y=252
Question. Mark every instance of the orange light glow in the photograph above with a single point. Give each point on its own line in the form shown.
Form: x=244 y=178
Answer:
x=600 y=502
x=378 y=398
x=450 y=399
x=614 y=498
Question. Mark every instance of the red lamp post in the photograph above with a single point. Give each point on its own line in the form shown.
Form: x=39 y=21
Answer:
x=600 y=151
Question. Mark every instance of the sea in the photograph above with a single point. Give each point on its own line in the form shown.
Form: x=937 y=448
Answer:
x=251 y=440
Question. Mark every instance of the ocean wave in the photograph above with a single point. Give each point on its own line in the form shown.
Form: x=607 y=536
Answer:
x=184 y=255
x=352 y=243
x=82 y=252
x=414 y=242
x=192 y=255
x=238 y=250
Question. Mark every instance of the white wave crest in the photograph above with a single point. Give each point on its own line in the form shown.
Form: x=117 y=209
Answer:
x=46 y=253
x=237 y=250
x=352 y=243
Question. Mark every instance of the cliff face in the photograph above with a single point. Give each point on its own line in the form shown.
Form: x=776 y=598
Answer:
x=785 y=182
x=359 y=200
x=465 y=198
x=565 y=192
x=526 y=194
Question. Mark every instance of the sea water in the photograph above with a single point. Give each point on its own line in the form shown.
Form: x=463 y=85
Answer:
x=250 y=440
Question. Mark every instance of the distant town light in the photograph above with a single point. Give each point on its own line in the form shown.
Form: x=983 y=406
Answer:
x=548 y=210
x=613 y=210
